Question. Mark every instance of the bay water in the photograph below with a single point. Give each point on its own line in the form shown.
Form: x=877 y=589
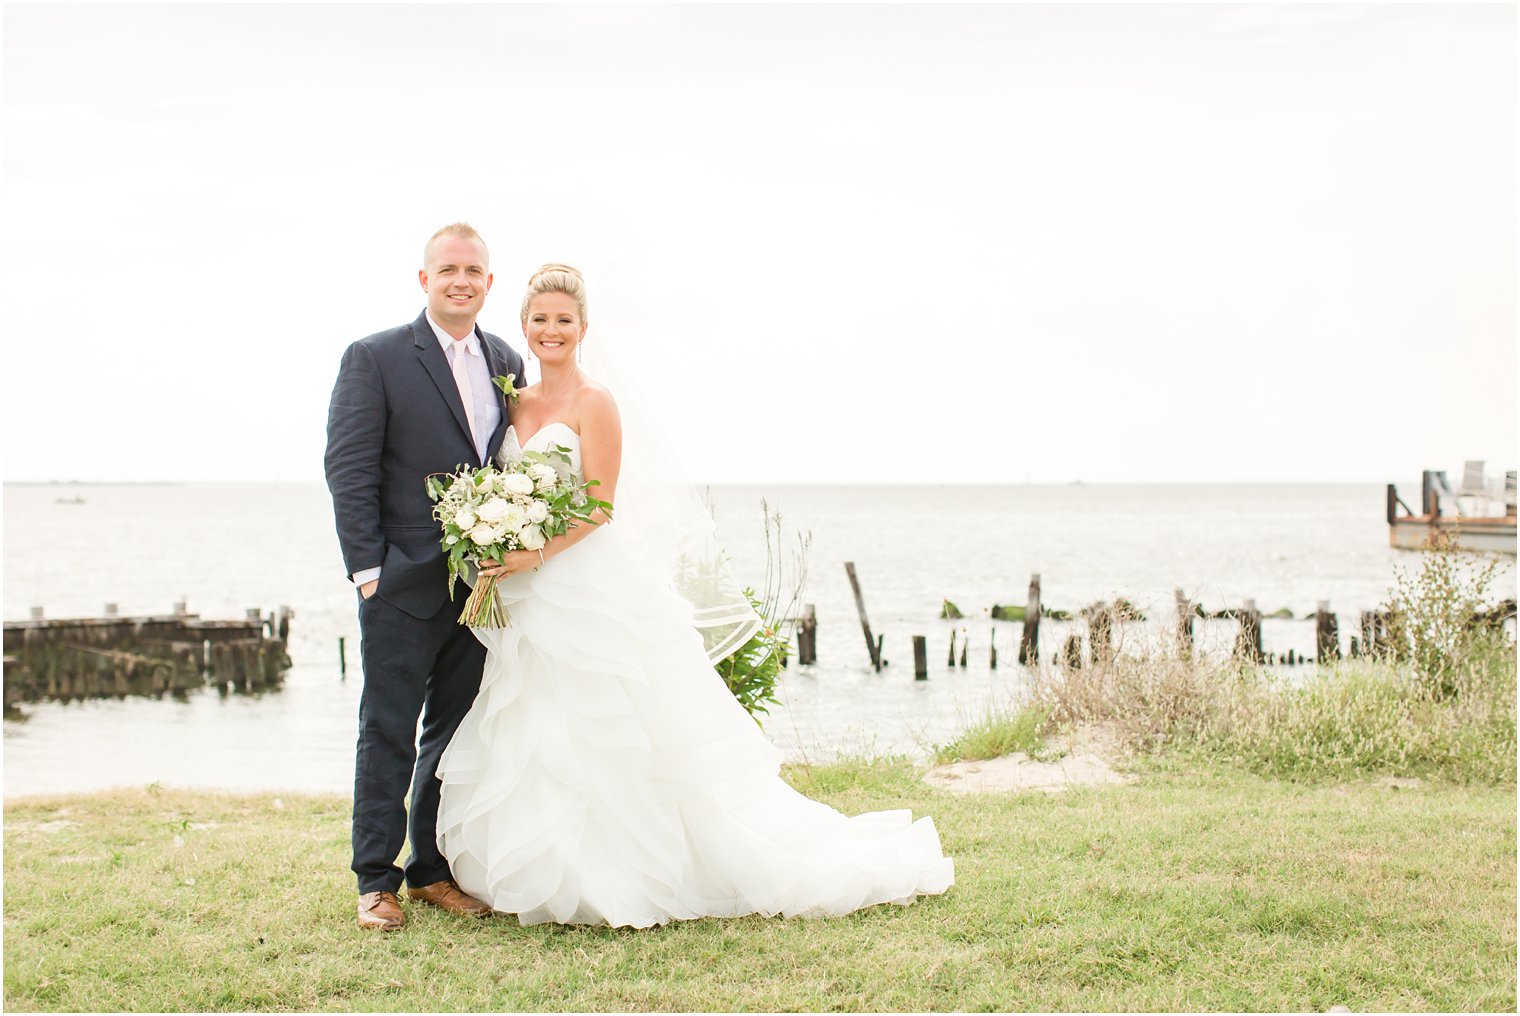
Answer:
x=225 y=548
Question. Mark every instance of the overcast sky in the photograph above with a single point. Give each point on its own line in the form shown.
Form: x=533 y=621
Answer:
x=848 y=244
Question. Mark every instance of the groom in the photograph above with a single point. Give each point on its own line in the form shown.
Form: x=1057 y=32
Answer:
x=410 y=401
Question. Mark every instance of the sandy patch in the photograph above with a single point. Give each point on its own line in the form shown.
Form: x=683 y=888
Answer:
x=1085 y=762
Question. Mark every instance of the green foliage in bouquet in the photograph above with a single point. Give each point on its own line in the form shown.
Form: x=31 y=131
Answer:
x=545 y=485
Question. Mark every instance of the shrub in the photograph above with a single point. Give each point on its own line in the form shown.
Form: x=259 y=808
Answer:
x=1440 y=701
x=751 y=671
x=1432 y=615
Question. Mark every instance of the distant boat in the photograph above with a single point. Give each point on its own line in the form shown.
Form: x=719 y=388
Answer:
x=1475 y=517
x=68 y=500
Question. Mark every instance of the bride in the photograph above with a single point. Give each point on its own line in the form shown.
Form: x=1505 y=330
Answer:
x=605 y=774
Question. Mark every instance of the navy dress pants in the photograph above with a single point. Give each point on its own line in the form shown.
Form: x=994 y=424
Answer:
x=412 y=667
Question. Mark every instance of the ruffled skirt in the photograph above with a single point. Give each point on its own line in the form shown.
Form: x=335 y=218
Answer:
x=605 y=775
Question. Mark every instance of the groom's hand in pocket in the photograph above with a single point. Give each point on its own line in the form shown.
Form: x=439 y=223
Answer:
x=368 y=589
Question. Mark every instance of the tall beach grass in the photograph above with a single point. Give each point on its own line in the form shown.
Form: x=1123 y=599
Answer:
x=1437 y=699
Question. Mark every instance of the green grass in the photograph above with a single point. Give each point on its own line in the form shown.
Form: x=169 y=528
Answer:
x=1000 y=732
x=1213 y=889
x=1344 y=720
x=1363 y=718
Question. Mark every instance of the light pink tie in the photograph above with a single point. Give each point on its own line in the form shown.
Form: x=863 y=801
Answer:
x=466 y=393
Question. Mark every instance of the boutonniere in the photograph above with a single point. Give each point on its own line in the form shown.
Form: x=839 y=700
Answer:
x=506 y=383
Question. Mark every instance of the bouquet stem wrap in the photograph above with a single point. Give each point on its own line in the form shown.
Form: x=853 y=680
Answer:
x=484 y=608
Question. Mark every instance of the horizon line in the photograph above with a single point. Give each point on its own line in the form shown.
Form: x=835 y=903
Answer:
x=766 y=483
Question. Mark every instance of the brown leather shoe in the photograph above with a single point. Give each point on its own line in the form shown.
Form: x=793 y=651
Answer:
x=380 y=912
x=448 y=896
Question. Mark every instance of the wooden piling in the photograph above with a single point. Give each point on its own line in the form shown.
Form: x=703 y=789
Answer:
x=1369 y=633
x=872 y=645
x=1071 y=652
x=1430 y=498
x=1377 y=632
x=1248 y=639
x=1029 y=639
x=992 y=652
x=950 y=661
x=1100 y=633
x=920 y=658
x=1185 y=616
x=342 y=658
x=1327 y=639
x=965 y=645
x=807 y=635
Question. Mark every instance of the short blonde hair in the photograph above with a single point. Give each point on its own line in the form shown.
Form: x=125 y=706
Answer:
x=464 y=231
x=556 y=279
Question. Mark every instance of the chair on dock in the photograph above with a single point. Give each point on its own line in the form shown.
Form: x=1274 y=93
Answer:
x=1472 y=495
x=1472 y=479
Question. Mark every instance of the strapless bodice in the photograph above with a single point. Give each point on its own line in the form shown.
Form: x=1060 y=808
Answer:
x=554 y=433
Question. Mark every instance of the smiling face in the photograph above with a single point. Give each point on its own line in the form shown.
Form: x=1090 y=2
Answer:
x=456 y=278
x=554 y=327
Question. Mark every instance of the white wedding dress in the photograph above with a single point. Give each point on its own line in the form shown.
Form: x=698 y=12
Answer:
x=605 y=774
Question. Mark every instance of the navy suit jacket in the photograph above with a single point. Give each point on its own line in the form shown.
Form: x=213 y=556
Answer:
x=395 y=417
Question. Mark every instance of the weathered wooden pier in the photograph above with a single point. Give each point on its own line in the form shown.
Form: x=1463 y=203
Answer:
x=112 y=656
x=1103 y=620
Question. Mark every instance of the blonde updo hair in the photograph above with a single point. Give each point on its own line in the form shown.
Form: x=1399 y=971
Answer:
x=556 y=279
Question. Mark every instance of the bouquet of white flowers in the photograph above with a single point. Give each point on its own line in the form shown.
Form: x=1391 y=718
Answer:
x=487 y=513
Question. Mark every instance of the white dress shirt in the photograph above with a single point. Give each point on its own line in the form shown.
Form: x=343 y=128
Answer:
x=486 y=407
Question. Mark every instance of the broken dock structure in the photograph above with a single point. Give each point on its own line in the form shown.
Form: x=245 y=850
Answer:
x=113 y=656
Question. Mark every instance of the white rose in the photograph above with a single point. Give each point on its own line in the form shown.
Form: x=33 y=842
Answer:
x=464 y=519
x=531 y=538
x=544 y=476
x=538 y=511
x=484 y=534
x=514 y=517
x=517 y=483
x=494 y=510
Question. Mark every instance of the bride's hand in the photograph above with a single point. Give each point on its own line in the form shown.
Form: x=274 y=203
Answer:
x=512 y=563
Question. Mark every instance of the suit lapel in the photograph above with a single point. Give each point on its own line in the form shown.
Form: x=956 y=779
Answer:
x=497 y=368
x=437 y=366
